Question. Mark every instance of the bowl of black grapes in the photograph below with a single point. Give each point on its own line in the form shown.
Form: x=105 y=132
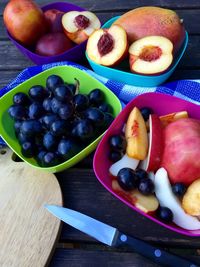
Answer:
x=56 y=118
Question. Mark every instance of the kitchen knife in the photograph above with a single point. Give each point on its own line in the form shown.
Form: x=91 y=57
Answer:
x=113 y=237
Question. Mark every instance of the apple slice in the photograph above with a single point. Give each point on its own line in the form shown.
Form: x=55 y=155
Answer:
x=153 y=160
x=150 y=55
x=79 y=25
x=136 y=135
x=144 y=203
x=166 y=119
x=108 y=46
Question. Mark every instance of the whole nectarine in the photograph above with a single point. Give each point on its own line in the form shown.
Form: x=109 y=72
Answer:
x=54 y=20
x=52 y=44
x=25 y=21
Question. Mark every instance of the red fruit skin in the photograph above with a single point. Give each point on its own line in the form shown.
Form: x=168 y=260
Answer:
x=53 y=44
x=181 y=155
x=25 y=21
x=157 y=142
x=54 y=20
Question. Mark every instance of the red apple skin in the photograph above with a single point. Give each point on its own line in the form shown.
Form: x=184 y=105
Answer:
x=157 y=142
x=52 y=44
x=54 y=20
x=25 y=21
x=181 y=156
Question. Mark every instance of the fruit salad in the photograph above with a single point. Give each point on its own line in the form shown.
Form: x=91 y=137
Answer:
x=155 y=165
x=55 y=122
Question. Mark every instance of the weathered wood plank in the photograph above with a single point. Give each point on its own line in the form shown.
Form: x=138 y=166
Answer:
x=87 y=258
x=103 y=257
x=83 y=192
x=119 y=5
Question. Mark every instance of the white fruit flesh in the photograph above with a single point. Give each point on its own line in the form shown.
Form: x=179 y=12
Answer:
x=140 y=65
x=167 y=199
x=124 y=162
x=119 y=41
x=69 y=25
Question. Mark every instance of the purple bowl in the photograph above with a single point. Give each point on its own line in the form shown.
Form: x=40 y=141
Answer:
x=74 y=54
x=161 y=104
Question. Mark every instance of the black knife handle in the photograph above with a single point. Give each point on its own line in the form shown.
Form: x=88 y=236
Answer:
x=156 y=254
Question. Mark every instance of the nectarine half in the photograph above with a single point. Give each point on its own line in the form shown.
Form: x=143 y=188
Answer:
x=150 y=55
x=107 y=46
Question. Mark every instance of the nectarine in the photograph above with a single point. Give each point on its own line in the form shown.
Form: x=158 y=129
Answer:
x=54 y=20
x=107 y=46
x=79 y=25
x=25 y=21
x=52 y=44
x=150 y=55
x=136 y=135
x=149 y=20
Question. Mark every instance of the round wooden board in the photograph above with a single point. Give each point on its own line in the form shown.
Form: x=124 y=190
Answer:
x=28 y=230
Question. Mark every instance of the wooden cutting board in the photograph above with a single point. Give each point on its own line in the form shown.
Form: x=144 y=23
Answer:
x=28 y=231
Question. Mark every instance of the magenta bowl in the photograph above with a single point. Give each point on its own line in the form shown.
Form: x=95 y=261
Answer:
x=161 y=104
x=74 y=54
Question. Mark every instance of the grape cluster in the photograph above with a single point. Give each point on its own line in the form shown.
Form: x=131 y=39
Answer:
x=55 y=122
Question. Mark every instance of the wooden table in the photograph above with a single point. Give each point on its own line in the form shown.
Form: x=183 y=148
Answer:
x=81 y=190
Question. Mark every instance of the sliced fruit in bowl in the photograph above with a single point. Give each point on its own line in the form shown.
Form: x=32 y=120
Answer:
x=79 y=25
x=150 y=55
x=149 y=64
x=39 y=34
x=123 y=177
x=108 y=46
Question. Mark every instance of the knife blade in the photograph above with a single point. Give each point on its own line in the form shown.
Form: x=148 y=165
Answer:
x=113 y=237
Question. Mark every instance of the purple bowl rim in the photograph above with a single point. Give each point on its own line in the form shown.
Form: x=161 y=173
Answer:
x=51 y=57
x=174 y=229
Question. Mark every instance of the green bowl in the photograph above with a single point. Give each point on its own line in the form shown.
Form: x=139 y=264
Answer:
x=87 y=83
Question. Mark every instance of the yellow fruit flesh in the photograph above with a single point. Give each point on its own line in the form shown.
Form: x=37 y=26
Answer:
x=136 y=135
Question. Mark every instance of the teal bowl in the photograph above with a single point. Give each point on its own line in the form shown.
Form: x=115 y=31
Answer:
x=67 y=73
x=123 y=74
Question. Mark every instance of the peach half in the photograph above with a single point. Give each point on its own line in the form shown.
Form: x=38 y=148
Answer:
x=79 y=25
x=108 y=46
x=150 y=55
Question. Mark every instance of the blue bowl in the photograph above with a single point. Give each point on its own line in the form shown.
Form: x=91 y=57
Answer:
x=127 y=77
